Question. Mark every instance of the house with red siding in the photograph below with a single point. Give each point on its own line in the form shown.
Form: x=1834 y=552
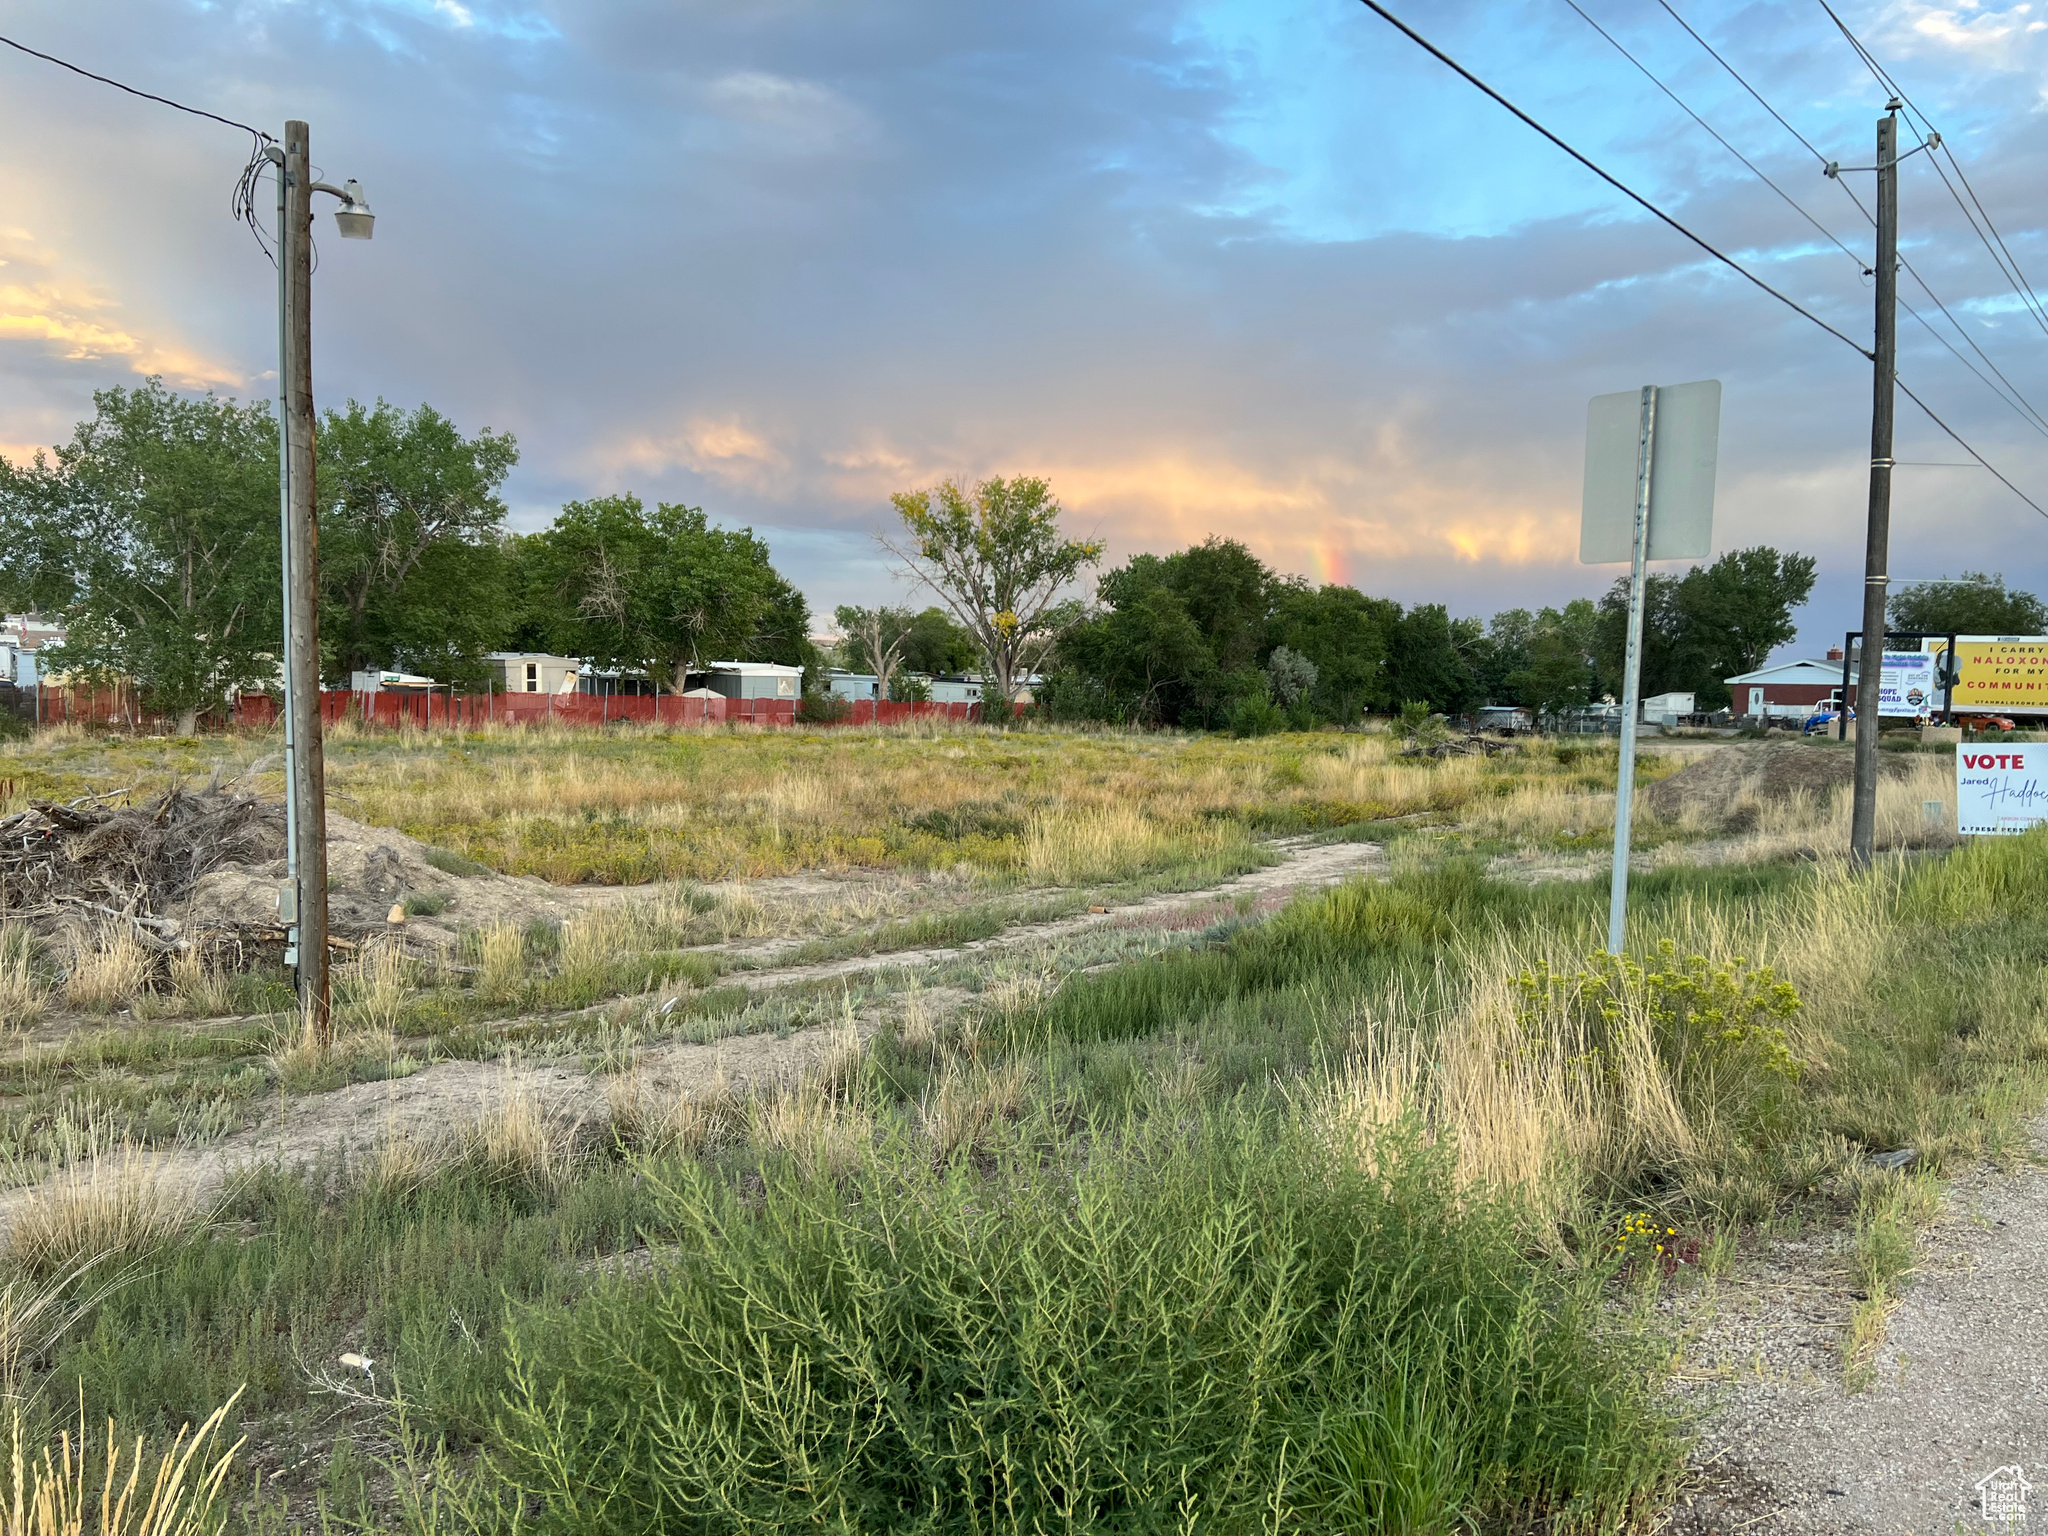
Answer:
x=1789 y=690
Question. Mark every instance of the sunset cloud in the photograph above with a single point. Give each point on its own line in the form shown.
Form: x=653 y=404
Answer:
x=1256 y=268
x=45 y=307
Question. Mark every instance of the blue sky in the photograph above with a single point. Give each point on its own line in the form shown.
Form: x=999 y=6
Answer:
x=1257 y=269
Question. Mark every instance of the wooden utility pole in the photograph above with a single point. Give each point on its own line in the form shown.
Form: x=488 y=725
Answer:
x=1876 y=555
x=303 y=574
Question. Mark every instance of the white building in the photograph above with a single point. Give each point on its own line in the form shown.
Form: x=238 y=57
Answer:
x=535 y=672
x=855 y=686
x=22 y=635
x=755 y=680
x=1667 y=709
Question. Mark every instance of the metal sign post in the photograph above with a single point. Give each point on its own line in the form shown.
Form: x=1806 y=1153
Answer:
x=1649 y=496
x=1631 y=679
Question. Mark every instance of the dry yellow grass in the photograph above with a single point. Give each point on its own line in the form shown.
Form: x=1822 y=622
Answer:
x=372 y=989
x=501 y=963
x=69 y=1491
x=109 y=1208
x=402 y=1161
x=1115 y=842
x=200 y=987
x=650 y=1119
x=108 y=970
x=23 y=997
x=967 y=1102
x=516 y=1141
x=816 y=1127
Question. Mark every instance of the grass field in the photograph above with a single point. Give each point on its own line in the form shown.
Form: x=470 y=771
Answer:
x=1245 y=1204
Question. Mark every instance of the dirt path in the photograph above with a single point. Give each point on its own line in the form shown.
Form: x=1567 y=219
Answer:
x=301 y=1129
x=1961 y=1389
x=1305 y=865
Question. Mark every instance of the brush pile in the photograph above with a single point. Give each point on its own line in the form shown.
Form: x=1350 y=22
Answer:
x=133 y=863
x=1440 y=745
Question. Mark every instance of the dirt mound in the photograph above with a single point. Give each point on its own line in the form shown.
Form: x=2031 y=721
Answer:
x=186 y=862
x=1726 y=785
x=369 y=871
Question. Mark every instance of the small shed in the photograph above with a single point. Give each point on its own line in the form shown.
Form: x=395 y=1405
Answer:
x=756 y=680
x=535 y=672
x=1788 y=691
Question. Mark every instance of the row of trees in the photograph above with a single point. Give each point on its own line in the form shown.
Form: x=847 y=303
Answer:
x=154 y=531
x=1210 y=637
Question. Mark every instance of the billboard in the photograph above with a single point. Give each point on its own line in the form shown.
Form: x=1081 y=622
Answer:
x=1907 y=686
x=2003 y=674
x=2000 y=789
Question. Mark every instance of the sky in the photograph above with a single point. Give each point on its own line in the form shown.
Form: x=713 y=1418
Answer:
x=1254 y=268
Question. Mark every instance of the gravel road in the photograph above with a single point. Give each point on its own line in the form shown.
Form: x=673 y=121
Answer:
x=1961 y=1389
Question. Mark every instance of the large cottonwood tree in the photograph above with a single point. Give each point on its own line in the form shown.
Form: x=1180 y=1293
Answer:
x=154 y=533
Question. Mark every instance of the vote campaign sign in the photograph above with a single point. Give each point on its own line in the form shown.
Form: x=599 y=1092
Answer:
x=2000 y=789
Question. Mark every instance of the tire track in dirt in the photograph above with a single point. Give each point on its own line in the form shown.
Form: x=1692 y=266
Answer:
x=1306 y=866
x=301 y=1129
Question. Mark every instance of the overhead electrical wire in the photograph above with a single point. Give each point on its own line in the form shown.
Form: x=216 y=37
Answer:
x=1613 y=181
x=2010 y=395
x=51 y=58
x=242 y=203
x=1957 y=438
x=1636 y=197
x=1790 y=201
x=1994 y=242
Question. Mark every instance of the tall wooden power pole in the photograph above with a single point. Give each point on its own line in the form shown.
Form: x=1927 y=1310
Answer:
x=307 y=767
x=1876 y=554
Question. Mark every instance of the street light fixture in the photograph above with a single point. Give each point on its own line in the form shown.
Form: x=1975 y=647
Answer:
x=353 y=218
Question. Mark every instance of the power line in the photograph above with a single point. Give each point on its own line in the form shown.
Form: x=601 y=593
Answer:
x=1790 y=201
x=1993 y=242
x=1473 y=80
x=242 y=203
x=1620 y=186
x=2011 y=395
x=1802 y=138
x=51 y=58
x=2017 y=401
x=1957 y=438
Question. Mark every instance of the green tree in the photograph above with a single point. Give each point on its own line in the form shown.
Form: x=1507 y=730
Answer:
x=936 y=645
x=1977 y=604
x=995 y=557
x=1229 y=593
x=661 y=590
x=413 y=570
x=155 y=532
x=1561 y=665
x=1713 y=623
x=1142 y=661
x=1346 y=636
x=1425 y=663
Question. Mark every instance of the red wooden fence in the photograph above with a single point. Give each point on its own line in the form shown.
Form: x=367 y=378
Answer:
x=395 y=711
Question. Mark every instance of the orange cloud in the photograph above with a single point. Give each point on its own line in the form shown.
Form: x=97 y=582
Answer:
x=72 y=320
x=722 y=448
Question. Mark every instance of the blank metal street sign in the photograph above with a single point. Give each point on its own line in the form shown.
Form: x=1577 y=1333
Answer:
x=1681 y=474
